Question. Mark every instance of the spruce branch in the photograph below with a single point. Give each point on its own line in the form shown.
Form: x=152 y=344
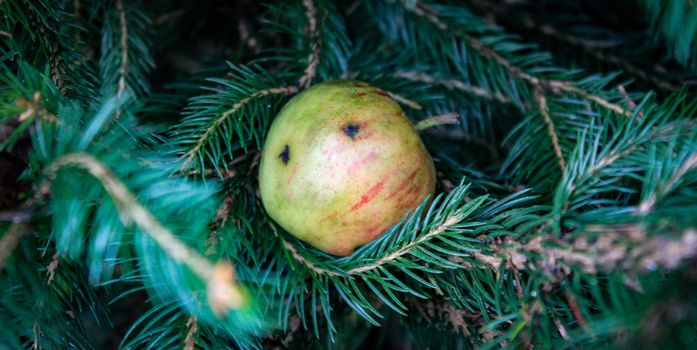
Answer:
x=224 y=292
x=496 y=11
x=215 y=125
x=126 y=57
x=555 y=86
x=439 y=229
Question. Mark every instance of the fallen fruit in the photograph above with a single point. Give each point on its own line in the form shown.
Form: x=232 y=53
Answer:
x=341 y=164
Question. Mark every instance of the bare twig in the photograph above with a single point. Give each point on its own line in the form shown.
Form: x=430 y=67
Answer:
x=315 y=35
x=405 y=101
x=447 y=118
x=454 y=85
x=11 y=239
x=51 y=270
x=5 y=34
x=190 y=340
x=124 y=48
x=576 y=311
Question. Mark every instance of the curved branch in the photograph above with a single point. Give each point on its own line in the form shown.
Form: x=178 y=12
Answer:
x=223 y=292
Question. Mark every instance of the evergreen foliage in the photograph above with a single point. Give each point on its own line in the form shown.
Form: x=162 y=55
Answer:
x=565 y=209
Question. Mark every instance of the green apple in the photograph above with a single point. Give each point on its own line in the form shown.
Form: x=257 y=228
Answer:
x=341 y=164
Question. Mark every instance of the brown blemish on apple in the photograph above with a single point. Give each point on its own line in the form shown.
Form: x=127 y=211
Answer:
x=330 y=217
x=291 y=174
x=351 y=129
x=285 y=155
x=357 y=131
x=369 y=195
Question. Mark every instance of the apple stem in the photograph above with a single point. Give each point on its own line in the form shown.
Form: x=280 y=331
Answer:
x=447 y=118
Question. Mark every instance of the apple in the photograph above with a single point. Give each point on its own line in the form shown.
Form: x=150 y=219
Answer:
x=341 y=164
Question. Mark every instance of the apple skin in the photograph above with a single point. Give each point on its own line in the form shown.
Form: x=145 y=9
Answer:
x=341 y=164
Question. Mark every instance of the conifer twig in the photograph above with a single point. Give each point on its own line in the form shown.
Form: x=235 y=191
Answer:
x=191 y=154
x=223 y=291
x=649 y=203
x=451 y=221
x=587 y=45
x=431 y=15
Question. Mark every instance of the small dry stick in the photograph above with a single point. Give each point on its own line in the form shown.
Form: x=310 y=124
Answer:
x=190 y=341
x=447 y=118
x=313 y=31
x=454 y=85
x=51 y=270
x=10 y=240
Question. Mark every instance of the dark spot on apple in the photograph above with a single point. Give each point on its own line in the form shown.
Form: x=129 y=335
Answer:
x=351 y=130
x=285 y=155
